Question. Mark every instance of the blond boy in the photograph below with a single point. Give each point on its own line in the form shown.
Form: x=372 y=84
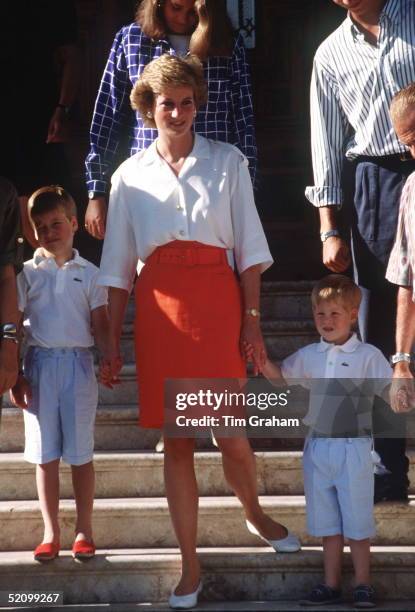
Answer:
x=338 y=471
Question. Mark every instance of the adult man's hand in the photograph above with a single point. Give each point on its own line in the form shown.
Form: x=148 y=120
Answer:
x=402 y=391
x=95 y=217
x=336 y=254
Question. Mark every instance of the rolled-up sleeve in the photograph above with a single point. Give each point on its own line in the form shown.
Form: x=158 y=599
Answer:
x=251 y=247
x=400 y=271
x=119 y=254
x=329 y=127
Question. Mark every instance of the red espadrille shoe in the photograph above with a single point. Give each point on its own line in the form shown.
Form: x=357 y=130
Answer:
x=82 y=549
x=46 y=552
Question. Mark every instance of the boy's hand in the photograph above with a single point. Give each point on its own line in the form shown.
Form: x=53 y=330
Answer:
x=247 y=350
x=108 y=372
x=21 y=393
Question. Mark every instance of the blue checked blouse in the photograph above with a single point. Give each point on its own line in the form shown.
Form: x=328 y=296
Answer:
x=227 y=116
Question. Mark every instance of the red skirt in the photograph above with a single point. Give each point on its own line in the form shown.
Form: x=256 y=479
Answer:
x=187 y=322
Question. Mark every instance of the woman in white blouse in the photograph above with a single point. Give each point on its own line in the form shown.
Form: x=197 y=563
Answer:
x=184 y=207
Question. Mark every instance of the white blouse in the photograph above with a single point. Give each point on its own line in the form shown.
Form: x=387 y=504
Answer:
x=211 y=201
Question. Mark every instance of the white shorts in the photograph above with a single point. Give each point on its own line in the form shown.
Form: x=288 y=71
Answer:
x=339 y=487
x=59 y=421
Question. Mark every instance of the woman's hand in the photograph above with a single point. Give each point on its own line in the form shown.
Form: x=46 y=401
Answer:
x=252 y=343
x=21 y=393
x=95 y=217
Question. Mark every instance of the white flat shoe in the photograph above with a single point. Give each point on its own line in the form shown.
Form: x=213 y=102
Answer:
x=184 y=602
x=289 y=544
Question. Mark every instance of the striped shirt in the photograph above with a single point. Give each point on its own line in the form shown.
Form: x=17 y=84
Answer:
x=352 y=85
x=401 y=265
x=227 y=116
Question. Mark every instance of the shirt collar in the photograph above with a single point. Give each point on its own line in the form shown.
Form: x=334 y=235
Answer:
x=348 y=347
x=39 y=258
x=200 y=150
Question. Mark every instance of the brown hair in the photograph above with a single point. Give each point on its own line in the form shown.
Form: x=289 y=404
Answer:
x=50 y=198
x=163 y=72
x=212 y=36
x=401 y=102
x=336 y=287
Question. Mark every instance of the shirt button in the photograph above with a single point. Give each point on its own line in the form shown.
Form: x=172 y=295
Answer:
x=179 y=207
x=20 y=240
x=182 y=232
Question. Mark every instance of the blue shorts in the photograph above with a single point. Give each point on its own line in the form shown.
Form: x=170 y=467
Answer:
x=339 y=487
x=59 y=421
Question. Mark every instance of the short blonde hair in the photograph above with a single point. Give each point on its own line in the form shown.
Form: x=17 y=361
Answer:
x=336 y=287
x=165 y=72
x=401 y=102
x=49 y=198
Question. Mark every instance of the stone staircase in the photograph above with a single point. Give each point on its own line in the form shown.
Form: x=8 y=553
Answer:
x=138 y=560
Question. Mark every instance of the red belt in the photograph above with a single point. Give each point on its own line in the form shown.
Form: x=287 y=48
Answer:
x=188 y=255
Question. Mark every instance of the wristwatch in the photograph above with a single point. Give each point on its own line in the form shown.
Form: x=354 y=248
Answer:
x=397 y=357
x=95 y=194
x=253 y=312
x=8 y=331
x=329 y=234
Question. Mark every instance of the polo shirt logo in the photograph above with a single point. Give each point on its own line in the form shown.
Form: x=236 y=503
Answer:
x=345 y=364
x=79 y=280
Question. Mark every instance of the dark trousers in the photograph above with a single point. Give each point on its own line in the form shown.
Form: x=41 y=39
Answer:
x=373 y=187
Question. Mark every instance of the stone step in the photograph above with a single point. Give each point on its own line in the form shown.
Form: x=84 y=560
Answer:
x=229 y=575
x=286 y=300
x=145 y=522
x=115 y=429
x=140 y=474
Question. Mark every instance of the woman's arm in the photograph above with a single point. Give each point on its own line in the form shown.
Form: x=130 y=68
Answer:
x=251 y=331
x=111 y=118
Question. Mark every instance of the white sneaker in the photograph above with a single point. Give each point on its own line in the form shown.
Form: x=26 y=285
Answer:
x=289 y=544
x=184 y=602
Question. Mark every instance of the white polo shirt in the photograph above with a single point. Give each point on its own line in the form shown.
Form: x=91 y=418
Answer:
x=362 y=363
x=211 y=201
x=57 y=301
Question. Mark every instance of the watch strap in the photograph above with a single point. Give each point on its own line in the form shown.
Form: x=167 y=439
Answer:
x=329 y=234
